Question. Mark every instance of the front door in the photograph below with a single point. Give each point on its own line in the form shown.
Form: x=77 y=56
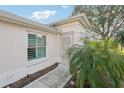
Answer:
x=65 y=43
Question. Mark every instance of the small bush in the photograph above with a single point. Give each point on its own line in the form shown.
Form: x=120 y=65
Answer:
x=91 y=65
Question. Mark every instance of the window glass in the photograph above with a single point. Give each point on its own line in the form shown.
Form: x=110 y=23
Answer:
x=36 y=46
x=31 y=40
x=31 y=53
x=41 y=52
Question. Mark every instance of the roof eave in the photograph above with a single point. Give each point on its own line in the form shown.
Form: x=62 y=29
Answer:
x=81 y=20
x=8 y=17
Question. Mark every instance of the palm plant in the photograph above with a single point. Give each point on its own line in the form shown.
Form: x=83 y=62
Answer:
x=92 y=66
x=119 y=37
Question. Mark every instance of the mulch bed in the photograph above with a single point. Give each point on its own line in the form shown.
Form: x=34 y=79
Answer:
x=70 y=83
x=31 y=77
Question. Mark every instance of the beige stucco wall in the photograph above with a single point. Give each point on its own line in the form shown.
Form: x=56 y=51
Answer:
x=12 y=47
x=76 y=27
x=13 y=52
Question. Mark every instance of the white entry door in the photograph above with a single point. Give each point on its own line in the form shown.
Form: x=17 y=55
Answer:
x=66 y=42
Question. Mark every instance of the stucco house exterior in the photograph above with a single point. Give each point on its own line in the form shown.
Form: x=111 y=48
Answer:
x=27 y=46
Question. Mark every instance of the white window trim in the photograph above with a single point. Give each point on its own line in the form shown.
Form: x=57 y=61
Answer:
x=39 y=60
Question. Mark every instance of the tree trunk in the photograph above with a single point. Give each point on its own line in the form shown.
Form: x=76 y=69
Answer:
x=106 y=51
x=106 y=42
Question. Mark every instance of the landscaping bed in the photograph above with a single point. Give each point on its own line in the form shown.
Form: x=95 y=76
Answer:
x=31 y=77
x=70 y=83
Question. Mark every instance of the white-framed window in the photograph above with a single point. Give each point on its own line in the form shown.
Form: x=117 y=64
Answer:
x=36 y=46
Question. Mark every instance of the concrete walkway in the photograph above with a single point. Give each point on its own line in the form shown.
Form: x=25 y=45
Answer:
x=56 y=78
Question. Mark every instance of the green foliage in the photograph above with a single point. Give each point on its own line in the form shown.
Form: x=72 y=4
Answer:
x=97 y=63
x=91 y=63
x=113 y=44
x=119 y=37
x=103 y=20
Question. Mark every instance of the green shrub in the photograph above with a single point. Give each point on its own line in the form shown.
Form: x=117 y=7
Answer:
x=91 y=64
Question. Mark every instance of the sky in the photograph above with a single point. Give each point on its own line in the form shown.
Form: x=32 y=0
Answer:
x=44 y=14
